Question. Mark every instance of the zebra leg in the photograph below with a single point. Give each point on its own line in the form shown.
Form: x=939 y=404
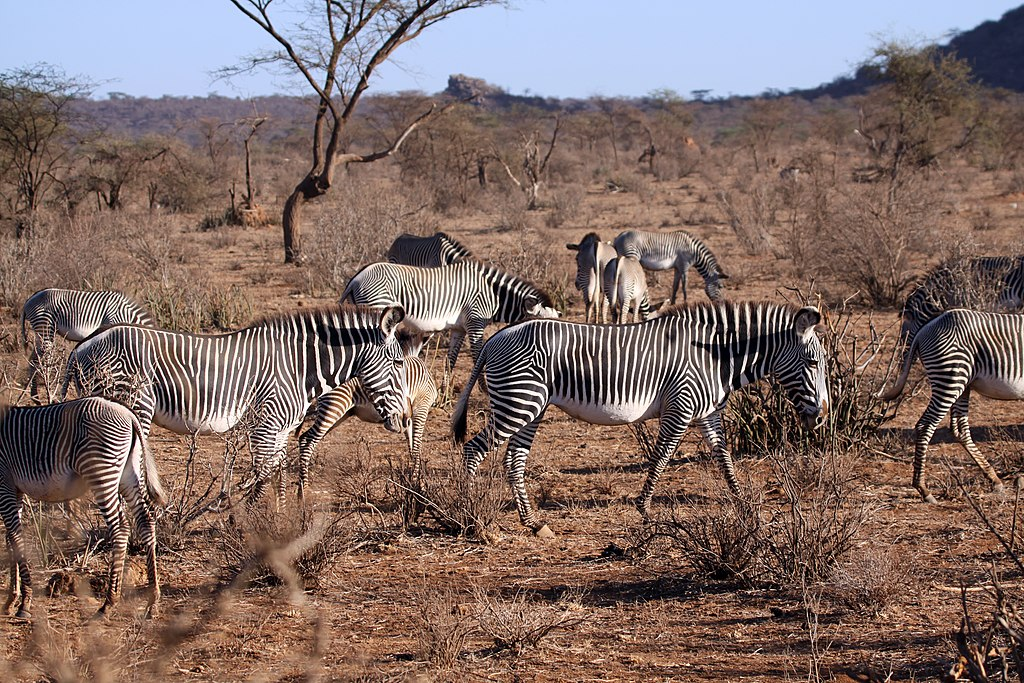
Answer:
x=515 y=470
x=670 y=431
x=331 y=409
x=269 y=456
x=454 y=347
x=940 y=403
x=117 y=523
x=962 y=431
x=21 y=576
x=145 y=525
x=711 y=427
x=675 y=287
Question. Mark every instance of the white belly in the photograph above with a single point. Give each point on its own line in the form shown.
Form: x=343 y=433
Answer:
x=656 y=262
x=611 y=413
x=1007 y=389
x=211 y=424
x=434 y=323
x=58 y=489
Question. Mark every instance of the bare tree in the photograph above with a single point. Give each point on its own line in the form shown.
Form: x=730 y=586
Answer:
x=335 y=46
x=534 y=164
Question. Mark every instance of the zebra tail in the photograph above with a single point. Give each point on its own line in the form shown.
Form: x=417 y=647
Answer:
x=459 y=417
x=901 y=381
x=154 y=488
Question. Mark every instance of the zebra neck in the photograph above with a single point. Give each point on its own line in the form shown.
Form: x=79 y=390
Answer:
x=703 y=260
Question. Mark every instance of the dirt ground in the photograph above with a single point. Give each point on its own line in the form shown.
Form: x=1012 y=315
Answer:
x=613 y=616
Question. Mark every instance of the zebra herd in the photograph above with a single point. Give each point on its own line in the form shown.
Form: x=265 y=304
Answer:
x=679 y=364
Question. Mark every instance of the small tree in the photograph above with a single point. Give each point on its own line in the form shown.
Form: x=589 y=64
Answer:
x=335 y=48
x=35 y=123
x=534 y=163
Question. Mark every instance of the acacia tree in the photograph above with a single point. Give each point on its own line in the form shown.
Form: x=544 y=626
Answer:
x=35 y=117
x=335 y=47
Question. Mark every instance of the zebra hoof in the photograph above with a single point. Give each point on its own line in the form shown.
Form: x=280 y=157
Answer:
x=544 y=532
x=931 y=499
x=23 y=614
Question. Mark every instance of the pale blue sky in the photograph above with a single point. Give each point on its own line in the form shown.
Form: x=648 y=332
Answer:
x=562 y=48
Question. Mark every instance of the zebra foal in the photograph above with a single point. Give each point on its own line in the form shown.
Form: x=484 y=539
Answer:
x=418 y=394
x=74 y=315
x=679 y=367
x=592 y=255
x=58 y=452
x=961 y=351
x=625 y=287
x=437 y=250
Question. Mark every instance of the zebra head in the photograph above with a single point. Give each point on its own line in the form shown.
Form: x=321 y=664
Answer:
x=538 y=307
x=800 y=366
x=380 y=368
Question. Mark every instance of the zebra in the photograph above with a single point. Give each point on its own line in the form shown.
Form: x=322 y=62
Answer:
x=994 y=283
x=463 y=297
x=678 y=250
x=679 y=367
x=592 y=255
x=268 y=373
x=625 y=287
x=58 y=452
x=74 y=315
x=963 y=350
x=439 y=249
x=418 y=395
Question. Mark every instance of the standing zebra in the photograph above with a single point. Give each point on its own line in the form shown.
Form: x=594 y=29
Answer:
x=677 y=250
x=58 y=452
x=463 y=297
x=427 y=252
x=963 y=350
x=74 y=315
x=348 y=399
x=990 y=283
x=625 y=287
x=270 y=371
x=592 y=255
x=679 y=367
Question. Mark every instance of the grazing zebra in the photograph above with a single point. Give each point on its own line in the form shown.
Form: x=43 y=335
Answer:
x=463 y=297
x=348 y=399
x=58 y=452
x=679 y=367
x=963 y=350
x=592 y=255
x=991 y=283
x=625 y=287
x=427 y=252
x=269 y=372
x=74 y=315
x=678 y=250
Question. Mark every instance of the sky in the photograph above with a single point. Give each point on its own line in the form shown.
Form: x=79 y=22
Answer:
x=552 y=48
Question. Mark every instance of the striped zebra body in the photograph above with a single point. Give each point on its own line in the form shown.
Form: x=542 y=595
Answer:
x=464 y=297
x=961 y=351
x=61 y=451
x=74 y=315
x=268 y=373
x=680 y=367
x=592 y=255
x=350 y=399
x=676 y=250
x=625 y=287
x=437 y=250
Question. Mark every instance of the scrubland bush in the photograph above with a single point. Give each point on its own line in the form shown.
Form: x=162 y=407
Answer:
x=465 y=505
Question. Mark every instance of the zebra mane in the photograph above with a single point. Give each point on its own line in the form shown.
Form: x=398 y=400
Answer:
x=356 y=313
x=488 y=269
x=705 y=256
x=590 y=237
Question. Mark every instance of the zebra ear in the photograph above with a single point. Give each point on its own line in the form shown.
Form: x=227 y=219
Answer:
x=806 y=319
x=572 y=247
x=390 y=318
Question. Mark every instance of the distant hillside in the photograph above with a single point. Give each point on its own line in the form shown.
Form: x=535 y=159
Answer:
x=994 y=49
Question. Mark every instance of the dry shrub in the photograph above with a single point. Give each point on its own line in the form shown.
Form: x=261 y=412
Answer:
x=869 y=580
x=356 y=229
x=519 y=623
x=874 y=241
x=299 y=549
x=750 y=209
x=190 y=302
x=566 y=203
x=464 y=505
x=445 y=623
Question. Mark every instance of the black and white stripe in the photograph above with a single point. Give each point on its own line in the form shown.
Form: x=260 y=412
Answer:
x=61 y=451
x=464 y=297
x=592 y=255
x=677 y=250
x=679 y=367
x=963 y=350
x=437 y=250
x=73 y=314
x=625 y=287
x=269 y=372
